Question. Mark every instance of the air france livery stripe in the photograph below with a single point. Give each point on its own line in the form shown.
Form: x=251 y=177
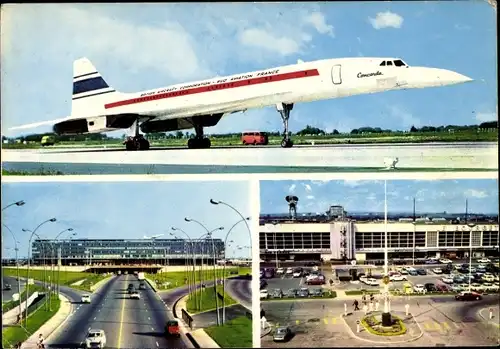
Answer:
x=217 y=87
x=89 y=85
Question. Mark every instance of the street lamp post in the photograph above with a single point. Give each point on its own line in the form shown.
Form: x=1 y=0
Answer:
x=209 y=234
x=17 y=203
x=17 y=268
x=194 y=260
x=224 y=270
x=386 y=316
x=54 y=284
x=471 y=226
x=51 y=220
x=414 y=247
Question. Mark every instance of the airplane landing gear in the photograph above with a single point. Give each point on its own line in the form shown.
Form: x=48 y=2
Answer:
x=284 y=110
x=136 y=142
x=199 y=141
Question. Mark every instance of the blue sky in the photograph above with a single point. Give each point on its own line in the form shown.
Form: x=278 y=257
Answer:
x=124 y=210
x=138 y=47
x=432 y=196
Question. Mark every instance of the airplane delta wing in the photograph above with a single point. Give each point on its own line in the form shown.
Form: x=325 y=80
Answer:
x=98 y=107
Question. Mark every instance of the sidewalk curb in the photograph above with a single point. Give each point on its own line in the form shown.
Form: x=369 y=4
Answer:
x=266 y=331
x=63 y=298
x=152 y=284
x=381 y=342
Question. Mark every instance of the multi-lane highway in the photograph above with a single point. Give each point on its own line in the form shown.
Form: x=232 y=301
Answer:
x=7 y=294
x=128 y=323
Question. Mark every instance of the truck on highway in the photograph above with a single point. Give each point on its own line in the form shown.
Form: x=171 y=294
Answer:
x=140 y=276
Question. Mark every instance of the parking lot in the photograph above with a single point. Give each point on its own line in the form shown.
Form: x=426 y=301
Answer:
x=286 y=282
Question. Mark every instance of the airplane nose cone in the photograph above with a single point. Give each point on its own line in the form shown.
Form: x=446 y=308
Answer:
x=448 y=77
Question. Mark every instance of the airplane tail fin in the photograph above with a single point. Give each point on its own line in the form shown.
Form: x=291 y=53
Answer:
x=90 y=90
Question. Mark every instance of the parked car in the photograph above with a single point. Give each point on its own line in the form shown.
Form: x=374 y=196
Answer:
x=445 y=261
x=476 y=287
x=276 y=293
x=413 y=272
x=317 y=292
x=442 y=288
x=430 y=287
x=282 y=334
x=431 y=261
x=304 y=292
x=468 y=296
x=437 y=271
x=372 y=282
x=292 y=293
x=421 y=271
x=264 y=294
x=489 y=287
x=484 y=260
x=419 y=288
x=398 y=277
x=297 y=273
x=447 y=279
x=280 y=271
x=289 y=271
x=488 y=277
x=457 y=279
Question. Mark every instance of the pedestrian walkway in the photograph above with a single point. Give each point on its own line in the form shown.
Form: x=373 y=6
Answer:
x=51 y=326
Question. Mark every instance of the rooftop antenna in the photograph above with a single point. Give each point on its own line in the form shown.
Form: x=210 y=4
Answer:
x=466 y=212
x=292 y=205
x=414 y=215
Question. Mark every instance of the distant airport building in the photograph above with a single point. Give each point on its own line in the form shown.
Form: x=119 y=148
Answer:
x=126 y=251
x=339 y=236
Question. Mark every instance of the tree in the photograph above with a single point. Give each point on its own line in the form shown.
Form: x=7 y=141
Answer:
x=413 y=129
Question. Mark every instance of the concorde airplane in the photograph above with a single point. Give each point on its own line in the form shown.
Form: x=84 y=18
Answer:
x=97 y=107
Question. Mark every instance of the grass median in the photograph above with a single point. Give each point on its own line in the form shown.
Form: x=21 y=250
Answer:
x=361 y=292
x=169 y=280
x=16 y=334
x=236 y=333
x=207 y=300
x=326 y=295
x=66 y=278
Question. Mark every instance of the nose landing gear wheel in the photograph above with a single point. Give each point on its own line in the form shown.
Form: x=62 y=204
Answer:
x=286 y=143
x=199 y=143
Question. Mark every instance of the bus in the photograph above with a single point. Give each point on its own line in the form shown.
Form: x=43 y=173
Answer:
x=254 y=138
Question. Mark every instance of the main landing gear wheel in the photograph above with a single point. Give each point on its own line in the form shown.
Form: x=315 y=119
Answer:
x=199 y=143
x=136 y=143
x=284 y=110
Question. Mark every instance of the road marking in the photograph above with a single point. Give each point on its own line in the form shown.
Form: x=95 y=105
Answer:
x=446 y=326
x=121 y=320
x=157 y=344
x=95 y=317
x=456 y=325
x=297 y=322
x=325 y=321
x=152 y=328
x=427 y=326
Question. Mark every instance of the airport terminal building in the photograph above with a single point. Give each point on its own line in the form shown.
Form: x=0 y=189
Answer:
x=126 y=251
x=338 y=236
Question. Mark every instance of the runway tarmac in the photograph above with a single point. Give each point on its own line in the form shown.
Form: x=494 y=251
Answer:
x=463 y=156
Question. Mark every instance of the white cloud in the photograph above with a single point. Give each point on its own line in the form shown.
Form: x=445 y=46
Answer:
x=386 y=19
x=310 y=197
x=405 y=117
x=317 y=19
x=487 y=116
x=307 y=187
x=263 y=39
x=352 y=183
x=478 y=194
x=291 y=189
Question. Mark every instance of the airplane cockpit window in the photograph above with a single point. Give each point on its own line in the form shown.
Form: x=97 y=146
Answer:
x=382 y=64
x=389 y=63
x=399 y=63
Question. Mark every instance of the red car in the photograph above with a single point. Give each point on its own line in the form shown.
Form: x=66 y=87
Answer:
x=443 y=288
x=468 y=296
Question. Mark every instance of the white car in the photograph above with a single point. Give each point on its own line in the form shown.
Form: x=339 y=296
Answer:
x=477 y=287
x=457 y=266
x=280 y=271
x=135 y=295
x=437 y=271
x=372 y=282
x=456 y=288
x=95 y=339
x=289 y=271
x=447 y=279
x=445 y=261
x=264 y=294
x=86 y=298
x=297 y=274
x=490 y=287
x=419 y=288
x=484 y=260
x=481 y=266
x=488 y=277
x=398 y=277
